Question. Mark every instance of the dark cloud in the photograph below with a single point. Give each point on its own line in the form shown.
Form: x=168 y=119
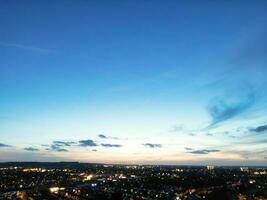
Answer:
x=58 y=145
x=111 y=145
x=31 y=149
x=152 y=145
x=199 y=152
x=4 y=145
x=102 y=136
x=188 y=149
x=260 y=129
x=63 y=143
x=55 y=147
x=227 y=107
x=213 y=150
x=106 y=137
x=204 y=151
x=87 y=143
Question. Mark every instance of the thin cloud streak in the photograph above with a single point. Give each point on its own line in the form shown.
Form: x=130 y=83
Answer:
x=63 y=143
x=111 y=145
x=204 y=151
x=150 y=145
x=27 y=47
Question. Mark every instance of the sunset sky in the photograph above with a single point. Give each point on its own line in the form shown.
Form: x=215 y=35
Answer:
x=131 y=81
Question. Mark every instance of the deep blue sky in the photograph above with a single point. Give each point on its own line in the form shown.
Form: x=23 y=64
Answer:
x=173 y=82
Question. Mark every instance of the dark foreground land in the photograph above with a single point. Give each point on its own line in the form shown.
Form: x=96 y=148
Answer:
x=114 y=182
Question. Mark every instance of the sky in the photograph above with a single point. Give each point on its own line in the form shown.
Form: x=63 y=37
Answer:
x=134 y=82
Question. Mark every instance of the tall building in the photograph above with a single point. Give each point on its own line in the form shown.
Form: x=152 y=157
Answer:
x=210 y=167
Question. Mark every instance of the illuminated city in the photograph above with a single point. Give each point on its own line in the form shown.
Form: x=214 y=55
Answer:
x=133 y=99
x=97 y=181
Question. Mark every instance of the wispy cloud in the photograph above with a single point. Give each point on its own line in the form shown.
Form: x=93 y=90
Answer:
x=191 y=134
x=63 y=143
x=183 y=130
x=150 y=145
x=4 y=145
x=87 y=143
x=246 y=154
x=111 y=145
x=31 y=149
x=177 y=128
x=253 y=48
x=227 y=107
x=27 y=47
x=259 y=141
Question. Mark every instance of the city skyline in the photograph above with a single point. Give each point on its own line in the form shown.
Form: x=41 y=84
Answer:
x=134 y=82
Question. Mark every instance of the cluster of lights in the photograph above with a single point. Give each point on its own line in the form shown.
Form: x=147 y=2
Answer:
x=260 y=173
x=34 y=170
x=121 y=176
x=210 y=167
x=88 y=177
x=55 y=189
